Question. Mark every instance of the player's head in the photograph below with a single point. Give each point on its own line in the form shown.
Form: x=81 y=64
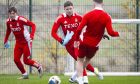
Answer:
x=68 y=7
x=98 y=1
x=12 y=12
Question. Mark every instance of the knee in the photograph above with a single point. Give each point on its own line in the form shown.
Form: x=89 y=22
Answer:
x=25 y=61
x=16 y=60
x=80 y=59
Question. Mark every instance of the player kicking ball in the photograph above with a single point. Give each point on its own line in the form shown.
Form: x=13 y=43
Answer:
x=18 y=25
x=95 y=21
x=69 y=21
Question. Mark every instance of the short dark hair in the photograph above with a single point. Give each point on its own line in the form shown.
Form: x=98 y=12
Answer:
x=98 y=1
x=68 y=3
x=12 y=9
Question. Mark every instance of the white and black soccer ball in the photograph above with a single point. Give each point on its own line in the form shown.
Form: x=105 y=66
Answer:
x=54 y=80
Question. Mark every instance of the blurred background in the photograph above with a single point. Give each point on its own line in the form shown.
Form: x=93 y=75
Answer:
x=115 y=55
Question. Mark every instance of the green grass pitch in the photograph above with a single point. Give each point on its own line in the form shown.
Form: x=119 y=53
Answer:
x=34 y=79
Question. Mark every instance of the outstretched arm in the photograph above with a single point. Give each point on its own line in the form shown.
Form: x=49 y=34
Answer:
x=109 y=28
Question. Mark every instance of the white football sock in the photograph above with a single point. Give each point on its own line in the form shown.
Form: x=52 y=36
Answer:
x=80 y=80
x=25 y=73
x=85 y=79
x=74 y=75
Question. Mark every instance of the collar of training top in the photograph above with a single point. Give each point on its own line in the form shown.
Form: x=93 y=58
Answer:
x=65 y=15
x=16 y=18
x=98 y=8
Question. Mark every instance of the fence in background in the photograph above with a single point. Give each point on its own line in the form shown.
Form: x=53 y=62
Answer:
x=116 y=55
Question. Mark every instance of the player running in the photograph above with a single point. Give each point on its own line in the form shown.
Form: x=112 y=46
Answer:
x=95 y=21
x=18 y=25
x=69 y=21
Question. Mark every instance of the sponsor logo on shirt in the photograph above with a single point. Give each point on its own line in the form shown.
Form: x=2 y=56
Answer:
x=74 y=25
x=16 y=29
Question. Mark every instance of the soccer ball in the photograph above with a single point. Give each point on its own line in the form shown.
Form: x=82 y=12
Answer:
x=54 y=80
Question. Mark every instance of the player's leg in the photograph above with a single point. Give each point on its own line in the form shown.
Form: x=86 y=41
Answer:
x=73 y=77
x=91 y=53
x=79 y=68
x=28 y=61
x=73 y=51
x=86 y=61
x=89 y=66
x=17 y=55
x=85 y=78
x=80 y=62
x=70 y=50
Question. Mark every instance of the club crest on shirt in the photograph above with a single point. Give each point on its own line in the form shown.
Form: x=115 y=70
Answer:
x=76 y=20
x=10 y=26
x=65 y=22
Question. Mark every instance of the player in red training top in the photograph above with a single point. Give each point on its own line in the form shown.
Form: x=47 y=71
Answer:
x=95 y=21
x=18 y=25
x=69 y=21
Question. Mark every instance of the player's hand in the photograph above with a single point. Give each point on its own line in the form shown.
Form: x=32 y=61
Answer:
x=106 y=37
x=76 y=44
x=67 y=38
x=32 y=37
x=7 y=44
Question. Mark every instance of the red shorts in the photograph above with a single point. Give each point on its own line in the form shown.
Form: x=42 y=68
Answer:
x=22 y=49
x=86 y=51
x=71 y=50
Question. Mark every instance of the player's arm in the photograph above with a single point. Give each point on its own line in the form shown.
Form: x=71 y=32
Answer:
x=55 y=28
x=109 y=28
x=8 y=31
x=80 y=27
x=31 y=24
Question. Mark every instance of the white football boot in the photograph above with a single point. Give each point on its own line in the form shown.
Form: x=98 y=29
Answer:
x=98 y=74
